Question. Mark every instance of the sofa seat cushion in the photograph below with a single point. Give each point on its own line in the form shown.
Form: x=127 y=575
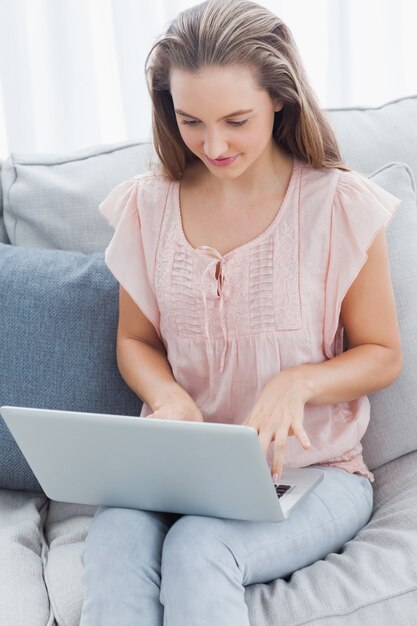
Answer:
x=23 y=595
x=65 y=532
x=372 y=580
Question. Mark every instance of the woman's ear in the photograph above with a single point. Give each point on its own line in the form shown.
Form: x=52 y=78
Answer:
x=278 y=105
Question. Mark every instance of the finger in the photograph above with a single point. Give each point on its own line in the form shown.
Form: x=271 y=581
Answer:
x=280 y=447
x=301 y=435
x=265 y=439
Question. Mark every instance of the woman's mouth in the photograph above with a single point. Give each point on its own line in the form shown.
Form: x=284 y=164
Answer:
x=223 y=161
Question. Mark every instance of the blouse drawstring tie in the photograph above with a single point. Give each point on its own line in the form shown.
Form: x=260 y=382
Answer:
x=212 y=265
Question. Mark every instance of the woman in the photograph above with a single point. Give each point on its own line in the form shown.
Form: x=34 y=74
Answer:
x=243 y=261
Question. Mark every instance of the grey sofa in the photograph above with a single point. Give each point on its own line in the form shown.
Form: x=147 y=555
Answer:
x=58 y=318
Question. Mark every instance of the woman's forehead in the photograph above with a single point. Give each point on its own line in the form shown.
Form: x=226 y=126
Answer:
x=225 y=87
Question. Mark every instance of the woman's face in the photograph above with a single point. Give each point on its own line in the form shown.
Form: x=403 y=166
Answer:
x=224 y=118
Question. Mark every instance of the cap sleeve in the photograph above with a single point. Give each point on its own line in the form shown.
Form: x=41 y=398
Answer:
x=361 y=208
x=129 y=260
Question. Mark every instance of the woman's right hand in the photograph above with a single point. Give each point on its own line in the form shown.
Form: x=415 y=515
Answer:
x=178 y=407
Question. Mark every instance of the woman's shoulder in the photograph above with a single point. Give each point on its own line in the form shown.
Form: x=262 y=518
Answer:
x=153 y=194
x=150 y=178
x=324 y=179
x=352 y=180
x=356 y=190
x=144 y=193
x=150 y=188
x=355 y=199
x=343 y=185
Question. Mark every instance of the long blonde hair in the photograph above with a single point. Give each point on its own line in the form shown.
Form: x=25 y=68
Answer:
x=230 y=32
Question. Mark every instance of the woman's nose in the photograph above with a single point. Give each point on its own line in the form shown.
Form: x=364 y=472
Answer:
x=215 y=145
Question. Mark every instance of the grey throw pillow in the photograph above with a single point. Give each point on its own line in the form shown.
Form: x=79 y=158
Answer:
x=50 y=201
x=59 y=314
x=392 y=429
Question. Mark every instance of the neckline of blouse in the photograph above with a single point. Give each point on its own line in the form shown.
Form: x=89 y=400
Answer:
x=277 y=218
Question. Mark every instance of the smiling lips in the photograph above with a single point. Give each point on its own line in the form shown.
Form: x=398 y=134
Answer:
x=223 y=162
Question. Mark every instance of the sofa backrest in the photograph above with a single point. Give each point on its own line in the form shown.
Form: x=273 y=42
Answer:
x=370 y=137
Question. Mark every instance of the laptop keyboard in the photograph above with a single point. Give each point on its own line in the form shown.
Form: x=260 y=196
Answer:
x=281 y=489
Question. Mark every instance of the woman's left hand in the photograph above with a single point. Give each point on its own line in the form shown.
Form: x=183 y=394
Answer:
x=279 y=413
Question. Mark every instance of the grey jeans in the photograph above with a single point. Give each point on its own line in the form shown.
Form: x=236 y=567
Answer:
x=144 y=568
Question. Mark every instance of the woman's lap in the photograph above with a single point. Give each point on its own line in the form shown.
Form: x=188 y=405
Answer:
x=150 y=568
x=329 y=517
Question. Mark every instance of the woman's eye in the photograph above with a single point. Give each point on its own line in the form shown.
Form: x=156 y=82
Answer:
x=237 y=123
x=231 y=122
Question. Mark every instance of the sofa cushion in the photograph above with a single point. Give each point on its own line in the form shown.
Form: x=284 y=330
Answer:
x=60 y=309
x=50 y=201
x=392 y=428
x=65 y=532
x=369 y=137
x=24 y=598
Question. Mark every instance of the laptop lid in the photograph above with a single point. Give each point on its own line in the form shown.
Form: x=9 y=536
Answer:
x=198 y=468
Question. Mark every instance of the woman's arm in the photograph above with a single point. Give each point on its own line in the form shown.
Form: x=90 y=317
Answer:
x=373 y=361
x=142 y=359
x=374 y=358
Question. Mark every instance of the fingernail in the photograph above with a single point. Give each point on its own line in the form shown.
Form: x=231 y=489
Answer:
x=276 y=477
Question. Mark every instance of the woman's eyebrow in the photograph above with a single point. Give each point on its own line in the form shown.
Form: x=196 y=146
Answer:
x=241 y=112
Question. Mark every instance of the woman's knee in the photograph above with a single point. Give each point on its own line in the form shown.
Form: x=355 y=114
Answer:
x=123 y=531
x=192 y=543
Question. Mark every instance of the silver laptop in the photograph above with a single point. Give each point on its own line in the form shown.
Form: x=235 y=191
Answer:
x=196 y=468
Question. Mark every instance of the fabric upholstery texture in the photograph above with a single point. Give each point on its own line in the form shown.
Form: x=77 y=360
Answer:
x=24 y=598
x=65 y=532
x=370 y=137
x=389 y=435
x=60 y=309
x=50 y=201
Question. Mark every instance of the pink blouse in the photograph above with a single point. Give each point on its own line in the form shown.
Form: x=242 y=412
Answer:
x=275 y=303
